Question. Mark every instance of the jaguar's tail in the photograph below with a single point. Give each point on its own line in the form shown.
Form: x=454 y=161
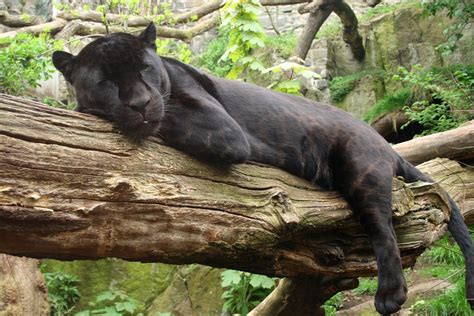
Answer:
x=456 y=226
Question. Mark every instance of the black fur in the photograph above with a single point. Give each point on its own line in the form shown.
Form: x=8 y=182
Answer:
x=120 y=78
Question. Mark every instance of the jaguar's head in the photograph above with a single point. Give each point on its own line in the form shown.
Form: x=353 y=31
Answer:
x=120 y=78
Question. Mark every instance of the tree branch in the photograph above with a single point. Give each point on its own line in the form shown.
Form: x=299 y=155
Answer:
x=14 y=20
x=53 y=27
x=350 y=33
x=319 y=11
x=316 y=18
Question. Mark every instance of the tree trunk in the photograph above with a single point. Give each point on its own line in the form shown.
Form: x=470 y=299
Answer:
x=73 y=188
x=350 y=33
x=22 y=287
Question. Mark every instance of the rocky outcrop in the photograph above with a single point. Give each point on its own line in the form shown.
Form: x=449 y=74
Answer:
x=402 y=38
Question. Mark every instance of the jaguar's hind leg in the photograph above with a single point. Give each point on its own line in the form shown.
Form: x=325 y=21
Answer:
x=370 y=197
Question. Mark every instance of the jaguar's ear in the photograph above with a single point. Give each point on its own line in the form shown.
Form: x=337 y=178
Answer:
x=63 y=62
x=149 y=35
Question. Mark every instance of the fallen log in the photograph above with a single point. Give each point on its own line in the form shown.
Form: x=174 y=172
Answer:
x=455 y=144
x=72 y=188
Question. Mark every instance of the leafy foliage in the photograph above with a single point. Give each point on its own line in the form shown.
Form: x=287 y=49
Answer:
x=282 y=45
x=62 y=292
x=245 y=34
x=446 y=252
x=451 y=302
x=290 y=76
x=26 y=61
x=211 y=58
x=173 y=48
x=114 y=303
x=462 y=14
x=444 y=96
x=367 y=286
x=332 y=305
x=244 y=291
x=448 y=263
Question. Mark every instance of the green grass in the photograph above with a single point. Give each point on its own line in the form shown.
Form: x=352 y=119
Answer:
x=387 y=8
x=447 y=261
x=332 y=305
x=450 y=303
x=340 y=87
x=283 y=44
x=330 y=29
x=388 y=104
x=367 y=286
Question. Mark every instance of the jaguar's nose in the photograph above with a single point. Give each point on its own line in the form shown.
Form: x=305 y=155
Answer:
x=140 y=105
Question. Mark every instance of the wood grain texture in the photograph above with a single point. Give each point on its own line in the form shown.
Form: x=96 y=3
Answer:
x=73 y=188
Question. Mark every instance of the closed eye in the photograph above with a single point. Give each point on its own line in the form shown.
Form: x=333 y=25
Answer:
x=144 y=69
x=105 y=82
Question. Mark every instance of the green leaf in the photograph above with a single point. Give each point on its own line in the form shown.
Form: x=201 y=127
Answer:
x=126 y=306
x=257 y=280
x=230 y=277
x=257 y=66
x=105 y=296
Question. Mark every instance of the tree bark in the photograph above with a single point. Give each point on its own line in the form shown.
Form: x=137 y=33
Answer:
x=316 y=18
x=22 y=287
x=319 y=12
x=53 y=27
x=455 y=144
x=389 y=123
x=71 y=188
x=350 y=32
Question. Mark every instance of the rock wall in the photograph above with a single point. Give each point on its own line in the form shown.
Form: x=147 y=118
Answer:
x=192 y=290
x=404 y=37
